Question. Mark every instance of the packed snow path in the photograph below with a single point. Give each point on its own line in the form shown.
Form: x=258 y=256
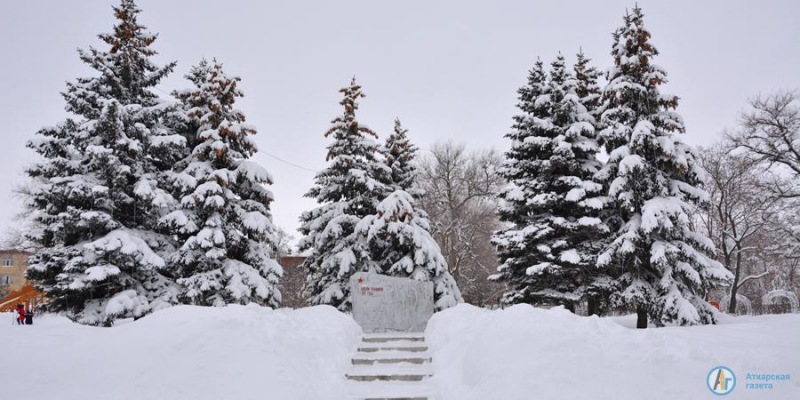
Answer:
x=392 y=366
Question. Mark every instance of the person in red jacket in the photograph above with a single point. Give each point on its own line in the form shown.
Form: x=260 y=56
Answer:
x=20 y=314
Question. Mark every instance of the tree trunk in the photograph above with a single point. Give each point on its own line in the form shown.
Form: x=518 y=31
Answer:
x=735 y=287
x=641 y=318
x=592 y=306
x=570 y=306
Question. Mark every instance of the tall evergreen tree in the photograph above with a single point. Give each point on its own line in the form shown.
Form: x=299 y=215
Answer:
x=224 y=224
x=100 y=187
x=515 y=172
x=348 y=190
x=399 y=154
x=588 y=91
x=551 y=204
x=586 y=87
x=659 y=264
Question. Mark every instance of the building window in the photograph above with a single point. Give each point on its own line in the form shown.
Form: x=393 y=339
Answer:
x=8 y=262
x=6 y=279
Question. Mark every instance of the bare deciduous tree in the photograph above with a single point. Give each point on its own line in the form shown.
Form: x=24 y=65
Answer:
x=16 y=236
x=283 y=243
x=739 y=212
x=460 y=189
x=787 y=246
x=770 y=134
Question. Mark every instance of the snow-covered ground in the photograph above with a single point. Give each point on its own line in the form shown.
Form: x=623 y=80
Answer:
x=183 y=352
x=514 y=354
x=523 y=353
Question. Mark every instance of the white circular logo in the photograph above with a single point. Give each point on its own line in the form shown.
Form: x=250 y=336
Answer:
x=721 y=380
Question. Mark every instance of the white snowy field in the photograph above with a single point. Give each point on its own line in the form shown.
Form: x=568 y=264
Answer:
x=514 y=354
x=524 y=353
x=236 y=352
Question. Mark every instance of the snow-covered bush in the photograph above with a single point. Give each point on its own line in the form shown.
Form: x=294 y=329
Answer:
x=400 y=244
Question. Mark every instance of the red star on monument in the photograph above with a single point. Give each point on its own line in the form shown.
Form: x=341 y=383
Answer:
x=360 y=280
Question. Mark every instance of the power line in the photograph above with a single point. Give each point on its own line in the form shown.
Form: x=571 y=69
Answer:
x=271 y=155
x=160 y=90
x=288 y=162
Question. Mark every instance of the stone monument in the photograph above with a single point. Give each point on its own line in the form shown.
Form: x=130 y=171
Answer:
x=388 y=304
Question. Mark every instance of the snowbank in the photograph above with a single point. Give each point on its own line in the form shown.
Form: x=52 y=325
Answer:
x=523 y=353
x=520 y=353
x=196 y=353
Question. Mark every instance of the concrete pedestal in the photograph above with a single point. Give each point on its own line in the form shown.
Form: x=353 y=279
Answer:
x=388 y=304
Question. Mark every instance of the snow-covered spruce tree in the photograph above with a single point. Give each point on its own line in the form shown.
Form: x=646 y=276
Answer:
x=512 y=197
x=551 y=204
x=398 y=234
x=589 y=93
x=659 y=264
x=99 y=190
x=400 y=245
x=348 y=190
x=224 y=224
x=399 y=153
x=586 y=87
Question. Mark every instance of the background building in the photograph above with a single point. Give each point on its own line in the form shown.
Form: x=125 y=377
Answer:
x=14 y=288
x=12 y=269
x=294 y=276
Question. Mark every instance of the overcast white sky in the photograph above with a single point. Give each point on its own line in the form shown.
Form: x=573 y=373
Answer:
x=448 y=69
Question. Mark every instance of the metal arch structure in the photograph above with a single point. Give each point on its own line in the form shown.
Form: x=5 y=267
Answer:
x=725 y=302
x=771 y=297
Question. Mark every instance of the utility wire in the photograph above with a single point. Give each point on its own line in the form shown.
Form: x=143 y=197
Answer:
x=261 y=151
x=288 y=162
x=160 y=90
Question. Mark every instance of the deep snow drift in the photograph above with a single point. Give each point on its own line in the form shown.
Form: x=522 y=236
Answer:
x=236 y=352
x=524 y=353
x=520 y=353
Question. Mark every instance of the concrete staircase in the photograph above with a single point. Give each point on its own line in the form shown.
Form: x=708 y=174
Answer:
x=391 y=366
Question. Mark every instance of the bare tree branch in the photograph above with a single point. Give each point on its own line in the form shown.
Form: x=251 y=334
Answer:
x=770 y=134
x=460 y=189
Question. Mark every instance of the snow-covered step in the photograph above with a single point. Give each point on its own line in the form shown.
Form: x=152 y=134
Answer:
x=393 y=337
x=392 y=354
x=390 y=372
x=390 y=360
x=391 y=357
x=398 y=398
x=391 y=366
x=372 y=377
x=423 y=370
x=414 y=348
x=395 y=334
x=422 y=390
